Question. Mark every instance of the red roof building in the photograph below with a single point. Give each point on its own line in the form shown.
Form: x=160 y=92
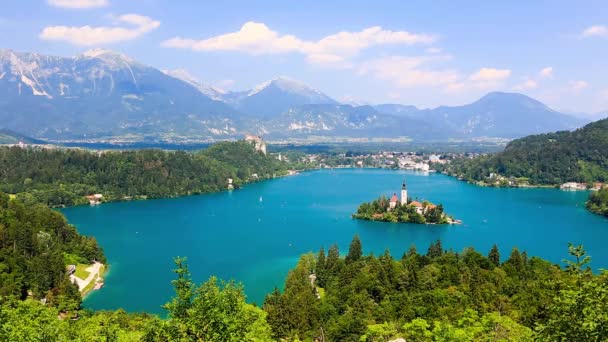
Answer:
x=393 y=202
x=416 y=204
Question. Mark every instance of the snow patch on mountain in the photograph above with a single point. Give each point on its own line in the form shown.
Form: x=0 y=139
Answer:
x=210 y=91
x=288 y=85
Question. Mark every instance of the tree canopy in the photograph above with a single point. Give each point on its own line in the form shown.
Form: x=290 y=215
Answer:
x=545 y=159
x=62 y=177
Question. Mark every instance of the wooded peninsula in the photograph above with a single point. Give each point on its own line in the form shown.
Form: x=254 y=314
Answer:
x=64 y=177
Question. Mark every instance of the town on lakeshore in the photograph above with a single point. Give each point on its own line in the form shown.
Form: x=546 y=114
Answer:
x=403 y=210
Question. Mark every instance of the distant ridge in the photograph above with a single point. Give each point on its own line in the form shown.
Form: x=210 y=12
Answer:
x=102 y=96
x=10 y=137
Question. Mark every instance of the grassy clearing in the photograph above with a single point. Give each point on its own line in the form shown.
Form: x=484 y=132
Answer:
x=81 y=271
x=89 y=287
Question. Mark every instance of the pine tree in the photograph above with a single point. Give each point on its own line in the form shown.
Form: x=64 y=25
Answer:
x=184 y=290
x=410 y=252
x=332 y=264
x=494 y=256
x=355 y=250
x=435 y=250
x=320 y=269
x=516 y=260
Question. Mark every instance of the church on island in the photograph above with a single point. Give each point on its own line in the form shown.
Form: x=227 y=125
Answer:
x=402 y=210
x=403 y=201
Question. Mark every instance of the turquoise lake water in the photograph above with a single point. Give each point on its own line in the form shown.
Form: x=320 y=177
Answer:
x=256 y=234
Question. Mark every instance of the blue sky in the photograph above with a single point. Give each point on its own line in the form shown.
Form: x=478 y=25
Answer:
x=425 y=53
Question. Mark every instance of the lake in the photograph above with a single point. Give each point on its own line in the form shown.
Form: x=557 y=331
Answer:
x=256 y=234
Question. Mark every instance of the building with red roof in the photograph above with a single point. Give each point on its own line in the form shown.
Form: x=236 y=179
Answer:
x=393 y=202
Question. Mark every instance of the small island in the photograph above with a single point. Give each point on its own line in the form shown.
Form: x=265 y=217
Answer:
x=403 y=210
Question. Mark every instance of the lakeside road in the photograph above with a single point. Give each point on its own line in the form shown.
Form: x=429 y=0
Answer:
x=93 y=274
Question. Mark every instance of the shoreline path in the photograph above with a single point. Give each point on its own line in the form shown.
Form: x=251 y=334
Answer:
x=93 y=274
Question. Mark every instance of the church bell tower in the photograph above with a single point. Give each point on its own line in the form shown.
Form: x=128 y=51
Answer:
x=403 y=193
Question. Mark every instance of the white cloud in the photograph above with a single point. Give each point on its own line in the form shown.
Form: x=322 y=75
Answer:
x=534 y=81
x=422 y=71
x=433 y=50
x=408 y=72
x=78 y=3
x=546 y=72
x=578 y=85
x=257 y=38
x=526 y=85
x=596 y=31
x=482 y=80
x=134 y=26
x=490 y=75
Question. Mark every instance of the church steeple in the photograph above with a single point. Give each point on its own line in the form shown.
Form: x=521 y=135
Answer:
x=404 y=193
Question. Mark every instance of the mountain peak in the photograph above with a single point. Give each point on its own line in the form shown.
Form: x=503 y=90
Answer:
x=108 y=56
x=494 y=95
x=185 y=76
x=504 y=98
x=285 y=84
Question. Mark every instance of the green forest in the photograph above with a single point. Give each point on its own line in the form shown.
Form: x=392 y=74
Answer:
x=440 y=296
x=598 y=202
x=62 y=177
x=544 y=159
x=378 y=210
x=36 y=243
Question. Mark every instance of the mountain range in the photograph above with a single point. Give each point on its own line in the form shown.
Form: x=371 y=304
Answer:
x=103 y=95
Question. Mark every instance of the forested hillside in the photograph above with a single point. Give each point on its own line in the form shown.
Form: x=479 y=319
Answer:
x=213 y=311
x=549 y=159
x=35 y=245
x=439 y=296
x=62 y=177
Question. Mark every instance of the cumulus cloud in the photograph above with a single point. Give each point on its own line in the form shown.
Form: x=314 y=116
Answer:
x=546 y=72
x=423 y=71
x=257 y=38
x=483 y=79
x=526 y=85
x=490 y=75
x=407 y=72
x=533 y=82
x=578 y=85
x=433 y=50
x=78 y=3
x=130 y=26
x=596 y=31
